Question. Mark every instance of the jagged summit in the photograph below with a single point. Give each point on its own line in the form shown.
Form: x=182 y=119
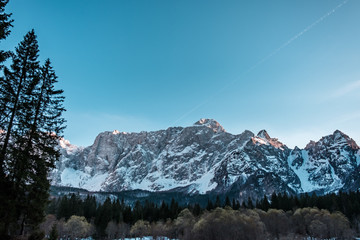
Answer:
x=338 y=138
x=115 y=132
x=210 y=123
x=264 y=135
x=296 y=148
x=263 y=138
x=341 y=137
x=310 y=145
x=68 y=147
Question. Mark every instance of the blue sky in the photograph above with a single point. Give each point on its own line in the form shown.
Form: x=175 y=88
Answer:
x=290 y=67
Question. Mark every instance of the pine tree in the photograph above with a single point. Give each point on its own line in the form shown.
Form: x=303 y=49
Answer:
x=174 y=209
x=233 y=205
x=116 y=211
x=43 y=122
x=274 y=201
x=250 y=203
x=5 y=24
x=33 y=124
x=63 y=210
x=89 y=208
x=209 y=205
x=164 y=211
x=237 y=205
x=217 y=202
x=103 y=216
x=265 y=204
x=15 y=89
x=227 y=202
x=128 y=215
x=197 y=209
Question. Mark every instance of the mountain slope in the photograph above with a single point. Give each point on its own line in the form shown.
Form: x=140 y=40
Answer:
x=205 y=158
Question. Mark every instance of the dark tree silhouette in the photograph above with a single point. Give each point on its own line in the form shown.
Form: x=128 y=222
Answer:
x=32 y=125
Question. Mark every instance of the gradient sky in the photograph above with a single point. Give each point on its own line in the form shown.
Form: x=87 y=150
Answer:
x=290 y=67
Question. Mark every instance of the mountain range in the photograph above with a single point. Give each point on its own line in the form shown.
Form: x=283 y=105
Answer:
x=205 y=159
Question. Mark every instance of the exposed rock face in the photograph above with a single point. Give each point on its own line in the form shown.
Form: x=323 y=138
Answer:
x=327 y=165
x=210 y=123
x=205 y=158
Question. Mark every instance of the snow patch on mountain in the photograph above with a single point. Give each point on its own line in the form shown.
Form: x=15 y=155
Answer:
x=68 y=147
x=76 y=178
x=263 y=138
x=210 y=123
x=308 y=172
x=205 y=158
x=302 y=173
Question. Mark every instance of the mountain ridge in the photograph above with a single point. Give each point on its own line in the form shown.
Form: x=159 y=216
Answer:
x=204 y=158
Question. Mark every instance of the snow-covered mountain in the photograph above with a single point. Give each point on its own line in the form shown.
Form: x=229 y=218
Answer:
x=205 y=158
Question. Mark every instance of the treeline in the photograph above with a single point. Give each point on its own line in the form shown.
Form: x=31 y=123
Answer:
x=346 y=202
x=114 y=210
x=282 y=215
x=219 y=223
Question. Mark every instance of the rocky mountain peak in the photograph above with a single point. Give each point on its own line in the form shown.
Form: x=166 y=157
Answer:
x=310 y=145
x=342 y=137
x=263 y=138
x=68 y=147
x=338 y=138
x=210 y=123
x=296 y=149
x=264 y=135
x=115 y=132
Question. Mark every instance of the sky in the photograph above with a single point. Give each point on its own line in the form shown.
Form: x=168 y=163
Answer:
x=290 y=67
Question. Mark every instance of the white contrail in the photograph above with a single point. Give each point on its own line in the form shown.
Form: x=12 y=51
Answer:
x=299 y=35
x=264 y=59
x=350 y=87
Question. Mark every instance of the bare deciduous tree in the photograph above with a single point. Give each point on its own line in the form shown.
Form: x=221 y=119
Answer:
x=78 y=227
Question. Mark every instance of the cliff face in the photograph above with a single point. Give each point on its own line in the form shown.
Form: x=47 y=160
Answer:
x=205 y=158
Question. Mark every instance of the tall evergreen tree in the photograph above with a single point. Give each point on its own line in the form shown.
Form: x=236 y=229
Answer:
x=227 y=201
x=104 y=216
x=174 y=209
x=5 y=25
x=33 y=125
x=89 y=208
x=209 y=205
x=250 y=203
x=265 y=203
x=16 y=87
x=45 y=126
x=217 y=202
x=274 y=201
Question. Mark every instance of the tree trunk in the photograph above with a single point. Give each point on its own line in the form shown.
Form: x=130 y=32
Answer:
x=13 y=113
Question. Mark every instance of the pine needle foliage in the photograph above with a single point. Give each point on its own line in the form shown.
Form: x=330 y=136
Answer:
x=31 y=124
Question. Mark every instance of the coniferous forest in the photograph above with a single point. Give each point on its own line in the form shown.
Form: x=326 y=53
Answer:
x=280 y=217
